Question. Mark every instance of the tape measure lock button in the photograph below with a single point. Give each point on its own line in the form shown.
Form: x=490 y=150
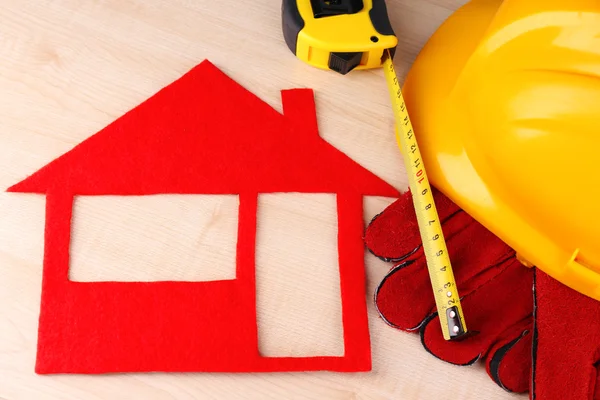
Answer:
x=326 y=8
x=344 y=62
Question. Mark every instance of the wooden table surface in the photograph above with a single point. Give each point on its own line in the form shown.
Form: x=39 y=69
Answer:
x=68 y=68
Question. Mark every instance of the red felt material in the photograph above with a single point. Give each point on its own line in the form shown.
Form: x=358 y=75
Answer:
x=567 y=352
x=487 y=274
x=202 y=134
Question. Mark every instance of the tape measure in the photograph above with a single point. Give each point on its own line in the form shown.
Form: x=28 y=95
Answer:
x=447 y=300
x=343 y=35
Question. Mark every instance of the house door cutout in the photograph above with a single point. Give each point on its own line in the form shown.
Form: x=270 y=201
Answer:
x=299 y=311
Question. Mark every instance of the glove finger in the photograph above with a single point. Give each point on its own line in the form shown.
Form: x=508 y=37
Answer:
x=394 y=234
x=508 y=363
x=489 y=312
x=405 y=299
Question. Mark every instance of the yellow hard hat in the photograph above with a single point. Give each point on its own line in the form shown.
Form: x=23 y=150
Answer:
x=505 y=101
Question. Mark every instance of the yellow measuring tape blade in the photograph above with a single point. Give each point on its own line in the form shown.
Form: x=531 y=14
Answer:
x=438 y=261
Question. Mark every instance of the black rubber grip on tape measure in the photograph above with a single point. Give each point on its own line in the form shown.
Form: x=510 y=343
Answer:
x=381 y=20
x=292 y=23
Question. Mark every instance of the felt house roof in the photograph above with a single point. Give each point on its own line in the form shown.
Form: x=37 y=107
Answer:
x=204 y=133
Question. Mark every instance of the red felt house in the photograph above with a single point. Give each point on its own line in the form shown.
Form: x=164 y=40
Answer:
x=203 y=134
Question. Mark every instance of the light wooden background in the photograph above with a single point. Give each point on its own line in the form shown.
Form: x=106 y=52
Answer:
x=69 y=67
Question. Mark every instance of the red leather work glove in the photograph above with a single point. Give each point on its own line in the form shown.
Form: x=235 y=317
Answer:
x=495 y=289
x=562 y=335
x=566 y=349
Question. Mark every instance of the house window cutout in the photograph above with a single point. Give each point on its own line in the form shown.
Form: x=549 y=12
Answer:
x=154 y=238
x=298 y=299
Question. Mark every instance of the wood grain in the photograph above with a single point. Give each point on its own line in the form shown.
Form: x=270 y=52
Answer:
x=154 y=238
x=70 y=67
